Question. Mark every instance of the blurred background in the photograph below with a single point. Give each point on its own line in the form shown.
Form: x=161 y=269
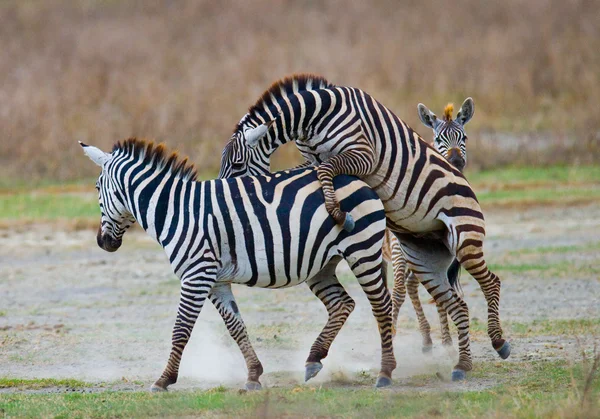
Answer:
x=185 y=72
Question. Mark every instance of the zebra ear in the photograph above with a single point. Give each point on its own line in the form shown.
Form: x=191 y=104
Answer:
x=253 y=135
x=95 y=154
x=466 y=111
x=428 y=118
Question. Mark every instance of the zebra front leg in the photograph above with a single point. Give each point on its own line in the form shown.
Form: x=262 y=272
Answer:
x=399 y=290
x=357 y=162
x=370 y=279
x=470 y=256
x=412 y=286
x=193 y=295
x=339 y=305
x=224 y=301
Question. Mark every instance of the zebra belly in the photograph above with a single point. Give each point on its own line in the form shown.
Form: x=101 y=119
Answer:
x=275 y=269
x=408 y=214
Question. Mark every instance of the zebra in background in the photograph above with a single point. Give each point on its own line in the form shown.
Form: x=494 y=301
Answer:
x=267 y=231
x=429 y=205
x=450 y=139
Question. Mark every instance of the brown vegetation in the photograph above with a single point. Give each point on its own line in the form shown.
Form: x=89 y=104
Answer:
x=185 y=71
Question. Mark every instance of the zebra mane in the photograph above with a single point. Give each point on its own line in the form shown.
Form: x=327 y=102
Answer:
x=157 y=156
x=448 y=111
x=288 y=86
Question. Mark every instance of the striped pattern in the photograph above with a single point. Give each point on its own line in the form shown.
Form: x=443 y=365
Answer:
x=429 y=204
x=267 y=231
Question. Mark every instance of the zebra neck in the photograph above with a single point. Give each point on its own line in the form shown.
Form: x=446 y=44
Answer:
x=156 y=203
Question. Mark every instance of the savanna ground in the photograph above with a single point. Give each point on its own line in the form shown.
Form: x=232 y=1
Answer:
x=85 y=333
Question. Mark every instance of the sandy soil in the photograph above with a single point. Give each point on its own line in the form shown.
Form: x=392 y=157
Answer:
x=70 y=310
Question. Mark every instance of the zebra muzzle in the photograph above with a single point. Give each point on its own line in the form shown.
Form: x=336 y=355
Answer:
x=108 y=243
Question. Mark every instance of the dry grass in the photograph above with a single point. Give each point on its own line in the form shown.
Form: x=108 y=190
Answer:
x=185 y=72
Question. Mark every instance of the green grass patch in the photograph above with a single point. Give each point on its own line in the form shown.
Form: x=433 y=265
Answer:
x=49 y=206
x=535 y=175
x=542 y=250
x=50 y=200
x=530 y=389
x=38 y=383
x=563 y=327
x=539 y=195
x=560 y=269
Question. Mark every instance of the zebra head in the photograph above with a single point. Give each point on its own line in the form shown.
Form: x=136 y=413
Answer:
x=245 y=154
x=449 y=136
x=115 y=217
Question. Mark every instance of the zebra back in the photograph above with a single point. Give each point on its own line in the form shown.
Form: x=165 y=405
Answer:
x=237 y=158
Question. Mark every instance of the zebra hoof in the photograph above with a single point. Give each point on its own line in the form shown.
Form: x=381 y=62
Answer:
x=253 y=385
x=383 y=381
x=312 y=369
x=427 y=349
x=157 y=389
x=459 y=375
x=349 y=223
x=504 y=350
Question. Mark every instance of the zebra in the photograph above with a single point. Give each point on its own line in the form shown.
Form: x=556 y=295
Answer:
x=429 y=204
x=267 y=231
x=450 y=139
x=449 y=136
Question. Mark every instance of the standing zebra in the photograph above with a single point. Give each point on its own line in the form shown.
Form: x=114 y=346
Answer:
x=266 y=231
x=429 y=205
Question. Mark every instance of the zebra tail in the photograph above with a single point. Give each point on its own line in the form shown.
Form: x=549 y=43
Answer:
x=454 y=277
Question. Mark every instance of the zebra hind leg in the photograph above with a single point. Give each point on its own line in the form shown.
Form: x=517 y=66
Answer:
x=471 y=257
x=224 y=301
x=339 y=305
x=191 y=300
x=368 y=274
x=412 y=286
x=358 y=162
x=429 y=260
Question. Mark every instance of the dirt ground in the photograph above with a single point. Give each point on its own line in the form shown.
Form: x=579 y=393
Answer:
x=70 y=310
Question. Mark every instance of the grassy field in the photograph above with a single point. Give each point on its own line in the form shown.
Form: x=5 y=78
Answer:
x=506 y=187
x=551 y=389
x=550 y=272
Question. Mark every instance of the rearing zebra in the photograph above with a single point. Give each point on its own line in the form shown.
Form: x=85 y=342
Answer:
x=429 y=205
x=266 y=231
x=449 y=139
